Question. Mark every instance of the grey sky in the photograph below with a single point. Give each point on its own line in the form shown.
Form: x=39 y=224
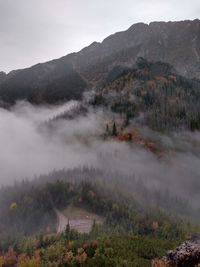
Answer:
x=33 y=31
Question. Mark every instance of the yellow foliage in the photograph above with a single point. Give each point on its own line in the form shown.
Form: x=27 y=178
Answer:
x=13 y=206
x=70 y=243
x=68 y=257
x=28 y=262
x=1 y=261
x=53 y=264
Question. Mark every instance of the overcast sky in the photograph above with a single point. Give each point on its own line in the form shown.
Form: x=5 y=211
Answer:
x=33 y=31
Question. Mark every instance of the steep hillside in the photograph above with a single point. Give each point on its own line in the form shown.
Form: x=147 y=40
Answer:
x=176 y=43
x=49 y=82
x=130 y=234
x=154 y=92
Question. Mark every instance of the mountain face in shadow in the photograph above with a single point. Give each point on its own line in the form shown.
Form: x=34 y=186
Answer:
x=50 y=82
x=176 y=43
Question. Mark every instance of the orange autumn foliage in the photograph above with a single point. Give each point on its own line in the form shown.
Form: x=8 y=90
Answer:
x=160 y=263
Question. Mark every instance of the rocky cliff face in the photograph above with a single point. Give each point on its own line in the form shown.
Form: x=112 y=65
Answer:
x=176 y=43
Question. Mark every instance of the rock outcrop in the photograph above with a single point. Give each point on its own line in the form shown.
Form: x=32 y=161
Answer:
x=186 y=255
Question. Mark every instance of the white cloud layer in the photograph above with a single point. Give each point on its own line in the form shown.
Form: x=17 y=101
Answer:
x=27 y=149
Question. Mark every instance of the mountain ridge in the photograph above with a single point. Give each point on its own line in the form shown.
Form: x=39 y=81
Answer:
x=96 y=43
x=152 y=42
x=176 y=43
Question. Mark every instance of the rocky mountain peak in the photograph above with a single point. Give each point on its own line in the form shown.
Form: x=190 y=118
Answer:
x=175 y=43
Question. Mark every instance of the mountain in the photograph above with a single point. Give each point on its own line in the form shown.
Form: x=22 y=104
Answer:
x=50 y=82
x=176 y=43
x=165 y=99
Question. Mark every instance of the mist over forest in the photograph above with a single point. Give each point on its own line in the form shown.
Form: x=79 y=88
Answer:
x=34 y=141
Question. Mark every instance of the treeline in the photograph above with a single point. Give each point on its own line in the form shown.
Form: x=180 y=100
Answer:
x=167 y=100
x=28 y=207
x=71 y=249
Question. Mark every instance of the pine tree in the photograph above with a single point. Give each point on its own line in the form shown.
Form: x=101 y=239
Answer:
x=114 y=130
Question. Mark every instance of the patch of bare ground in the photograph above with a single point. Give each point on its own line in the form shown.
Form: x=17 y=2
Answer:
x=78 y=219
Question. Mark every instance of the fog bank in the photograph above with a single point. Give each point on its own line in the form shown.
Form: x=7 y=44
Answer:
x=29 y=146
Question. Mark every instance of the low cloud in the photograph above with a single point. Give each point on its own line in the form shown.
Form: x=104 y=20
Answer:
x=33 y=143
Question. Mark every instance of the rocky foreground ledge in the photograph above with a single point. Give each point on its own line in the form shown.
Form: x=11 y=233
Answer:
x=186 y=255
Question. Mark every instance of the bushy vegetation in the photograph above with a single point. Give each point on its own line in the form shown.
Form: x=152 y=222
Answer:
x=133 y=233
x=73 y=249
